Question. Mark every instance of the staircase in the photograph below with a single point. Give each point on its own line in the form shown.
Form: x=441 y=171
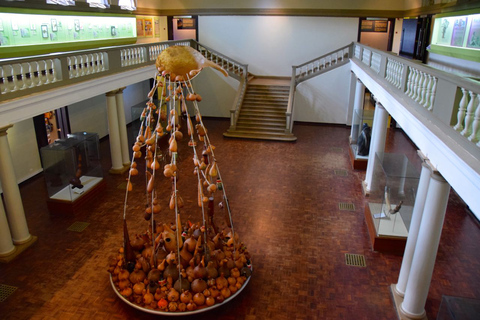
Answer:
x=262 y=115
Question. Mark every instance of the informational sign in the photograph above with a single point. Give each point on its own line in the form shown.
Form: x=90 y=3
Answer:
x=186 y=23
x=148 y=24
x=474 y=34
x=458 y=34
x=374 y=26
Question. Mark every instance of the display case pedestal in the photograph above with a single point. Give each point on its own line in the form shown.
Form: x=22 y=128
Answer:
x=383 y=243
x=92 y=189
x=358 y=162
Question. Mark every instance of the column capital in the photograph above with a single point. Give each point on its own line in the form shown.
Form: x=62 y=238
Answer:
x=111 y=93
x=3 y=130
x=120 y=90
x=359 y=81
x=378 y=104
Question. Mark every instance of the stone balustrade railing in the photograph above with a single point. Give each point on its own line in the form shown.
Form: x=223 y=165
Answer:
x=30 y=75
x=452 y=99
x=312 y=69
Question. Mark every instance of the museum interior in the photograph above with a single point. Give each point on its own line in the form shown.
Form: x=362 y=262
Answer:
x=239 y=160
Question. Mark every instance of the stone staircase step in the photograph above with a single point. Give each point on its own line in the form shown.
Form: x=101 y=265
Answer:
x=260 y=136
x=262 y=114
x=266 y=106
x=262 y=121
x=267 y=130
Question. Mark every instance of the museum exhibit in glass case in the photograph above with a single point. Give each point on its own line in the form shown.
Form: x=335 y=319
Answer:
x=72 y=171
x=388 y=211
x=181 y=254
x=361 y=136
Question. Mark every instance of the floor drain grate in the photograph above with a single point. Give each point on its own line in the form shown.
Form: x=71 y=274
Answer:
x=341 y=172
x=122 y=185
x=6 y=291
x=356 y=260
x=78 y=226
x=346 y=206
x=336 y=149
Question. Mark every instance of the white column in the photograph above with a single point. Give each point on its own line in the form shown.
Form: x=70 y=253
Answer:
x=357 y=109
x=377 y=144
x=417 y=214
x=113 y=134
x=11 y=193
x=122 y=125
x=6 y=243
x=418 y=284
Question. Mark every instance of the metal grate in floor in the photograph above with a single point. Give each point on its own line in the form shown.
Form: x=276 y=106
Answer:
x=341 y=172
x=6 y=291
x=78 y=226
x=336 y=149
x=346 y=206
x=356 y=260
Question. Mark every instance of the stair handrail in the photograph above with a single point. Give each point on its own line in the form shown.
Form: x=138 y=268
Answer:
x=236 y=69
x=313 y=68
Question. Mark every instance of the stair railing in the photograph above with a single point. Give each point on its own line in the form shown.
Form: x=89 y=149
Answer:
x=236 y=69
x=312 y=69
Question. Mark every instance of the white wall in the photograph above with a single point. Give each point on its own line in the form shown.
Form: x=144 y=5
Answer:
x=24 y=150
x=324 y=98
x=91 y=115
x=218 y=93
x=270 y=45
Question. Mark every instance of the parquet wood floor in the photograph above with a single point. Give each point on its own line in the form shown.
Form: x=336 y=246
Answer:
x=284 y=199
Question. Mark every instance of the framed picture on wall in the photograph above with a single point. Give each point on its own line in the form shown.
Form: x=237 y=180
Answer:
x=54 y=25
x=76 y=23
x=44 y=31
x=140 y=27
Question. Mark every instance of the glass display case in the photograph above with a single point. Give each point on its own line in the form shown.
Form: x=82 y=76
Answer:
x=72 y=168
x=360 y=138
x=391 y=200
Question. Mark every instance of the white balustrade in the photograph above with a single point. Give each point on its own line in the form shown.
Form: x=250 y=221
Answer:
x=366 y=56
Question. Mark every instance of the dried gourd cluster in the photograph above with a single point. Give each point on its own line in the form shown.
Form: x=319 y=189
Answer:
x=175 y=266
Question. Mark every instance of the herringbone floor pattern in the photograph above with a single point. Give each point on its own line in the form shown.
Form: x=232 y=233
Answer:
x=284 y=200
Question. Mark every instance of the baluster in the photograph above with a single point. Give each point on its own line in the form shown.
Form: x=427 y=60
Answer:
x=428 y=91
x=416 y=79
x=409 y=81
x=42 y=72
x=322 y=63
x=3 y=81
x=462 y=106
x=398 y=74
x=418 y=91
x=476 y=122
x=388 y=73
x=27 y=75
x=432 y=96
x=35 y=74
x=422 y=87
x=469 y=114
x=17 y=77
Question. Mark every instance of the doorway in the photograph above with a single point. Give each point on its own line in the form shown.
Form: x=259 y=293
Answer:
x=182 y=27
x=376 y=33
x=415 y=38
x=51 y=126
